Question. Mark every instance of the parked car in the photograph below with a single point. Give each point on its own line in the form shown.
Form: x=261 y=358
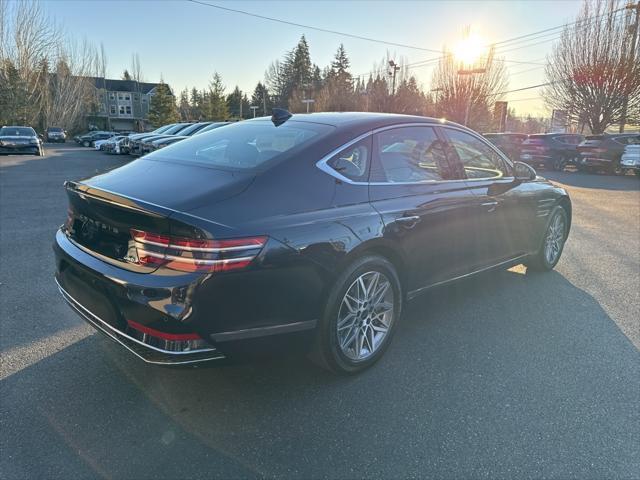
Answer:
x=104 y=145
x=310 y=227
x=56 y=134
x=551 y=150
x=604 y=152
x=135 y=145
x=20 y=139
x=630 y=159
x=165 y=140
x=89 y=139
x=509 y=143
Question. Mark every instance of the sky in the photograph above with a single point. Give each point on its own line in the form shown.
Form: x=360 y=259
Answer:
x=184 y=42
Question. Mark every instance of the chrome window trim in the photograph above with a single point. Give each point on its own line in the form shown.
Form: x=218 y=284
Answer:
x=323 y=165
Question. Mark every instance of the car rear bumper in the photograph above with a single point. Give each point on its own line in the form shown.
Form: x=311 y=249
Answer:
x=140 y=349
x=217 y=310
x=594 y=162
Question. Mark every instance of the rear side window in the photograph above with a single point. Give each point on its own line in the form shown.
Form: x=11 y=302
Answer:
x=410 y=154
x=477 y=157
x=244 y=145
x=353 y=161
x=632 y=140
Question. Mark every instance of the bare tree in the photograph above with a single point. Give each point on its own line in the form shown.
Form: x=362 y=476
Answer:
x=594 y=72
x=468 y=94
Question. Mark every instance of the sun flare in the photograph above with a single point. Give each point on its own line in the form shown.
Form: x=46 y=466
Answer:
x=469 y=49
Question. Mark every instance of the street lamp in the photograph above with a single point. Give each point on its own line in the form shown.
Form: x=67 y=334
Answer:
x=254 y=108
x=394 y=67
x=308 y=101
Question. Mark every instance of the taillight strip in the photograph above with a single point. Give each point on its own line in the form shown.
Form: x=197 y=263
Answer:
x=195 y=261
x=200 y=249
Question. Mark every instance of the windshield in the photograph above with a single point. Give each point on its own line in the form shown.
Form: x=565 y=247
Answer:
x=193 y=128
x=55 y=129
x=244 y=145
x=17 y=132
x=176 y=128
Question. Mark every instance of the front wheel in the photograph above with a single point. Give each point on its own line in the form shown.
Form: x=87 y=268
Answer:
x=559 y=163
x=363 y=309
x=616 y=168
x=552 y=243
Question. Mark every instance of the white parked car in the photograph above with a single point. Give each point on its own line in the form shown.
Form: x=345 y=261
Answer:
x=630 y=159
x=98 y=143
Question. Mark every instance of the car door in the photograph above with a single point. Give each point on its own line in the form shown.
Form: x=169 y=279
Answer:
x=503 y=207
x=423 y=201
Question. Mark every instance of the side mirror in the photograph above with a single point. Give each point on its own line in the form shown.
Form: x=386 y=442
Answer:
x=523 y=172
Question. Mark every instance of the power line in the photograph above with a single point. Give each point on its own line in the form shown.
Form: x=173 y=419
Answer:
x=310 y=27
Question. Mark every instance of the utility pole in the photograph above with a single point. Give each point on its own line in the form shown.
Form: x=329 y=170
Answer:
x=394 y=67
x=631 y=52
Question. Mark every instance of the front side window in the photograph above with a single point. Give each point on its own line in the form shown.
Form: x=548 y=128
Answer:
x=353 y=161
x=410 y=155
x=477 y=157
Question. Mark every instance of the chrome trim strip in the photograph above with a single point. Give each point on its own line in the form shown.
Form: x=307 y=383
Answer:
x=322 y=163
x=114 y=333
x=418 y=291
x=263 y=331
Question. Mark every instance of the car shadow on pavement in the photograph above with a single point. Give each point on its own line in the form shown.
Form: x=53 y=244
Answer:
x=508 y=374
x=598 y=181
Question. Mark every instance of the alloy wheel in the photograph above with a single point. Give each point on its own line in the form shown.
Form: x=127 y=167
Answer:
x=554 y=239
x=365 y=316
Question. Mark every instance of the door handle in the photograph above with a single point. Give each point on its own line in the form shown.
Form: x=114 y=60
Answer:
x=490 y=206
x=408 y=222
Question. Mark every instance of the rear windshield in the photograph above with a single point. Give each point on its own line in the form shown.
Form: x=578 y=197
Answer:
x=17 y=131
x=243 y=145
x=594 y=137
x=55 y=129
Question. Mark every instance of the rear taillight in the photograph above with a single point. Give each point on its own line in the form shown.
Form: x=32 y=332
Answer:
x=195 y=255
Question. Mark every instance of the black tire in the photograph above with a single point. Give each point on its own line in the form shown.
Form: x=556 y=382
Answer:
x=615 y=168
x=540 y=261
x=86 y=143
x=327 y=352
x=559 y=163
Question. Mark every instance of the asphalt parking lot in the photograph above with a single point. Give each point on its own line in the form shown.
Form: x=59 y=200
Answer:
x=511 y=374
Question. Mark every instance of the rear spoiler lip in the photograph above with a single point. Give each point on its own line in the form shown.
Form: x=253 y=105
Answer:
x=132 y=203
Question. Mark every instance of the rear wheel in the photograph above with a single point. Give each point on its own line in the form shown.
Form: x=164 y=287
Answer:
x=86 y=143
x=559 y=163
x=615 y=168
x=552 y=243
x=360 y=318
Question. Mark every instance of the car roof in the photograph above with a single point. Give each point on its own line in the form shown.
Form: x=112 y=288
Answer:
x=358 y=119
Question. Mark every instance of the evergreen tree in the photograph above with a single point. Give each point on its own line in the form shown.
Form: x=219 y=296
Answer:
x=301 y=70
x=162 y=109
x=339 y=83
x=195 y=104
x=183 y=105
x=261 y=99
x=217 y=103
x=234 y=104
x=126 y=75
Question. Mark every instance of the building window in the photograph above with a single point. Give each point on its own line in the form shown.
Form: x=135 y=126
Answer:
x=127 y=96
x=121 y=109
x=144 y=99
x=128 y=109
x=112 y=109
x=112 y=96
x=135 y=97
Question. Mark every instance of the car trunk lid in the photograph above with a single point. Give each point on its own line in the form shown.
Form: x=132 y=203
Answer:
x=105 y=209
